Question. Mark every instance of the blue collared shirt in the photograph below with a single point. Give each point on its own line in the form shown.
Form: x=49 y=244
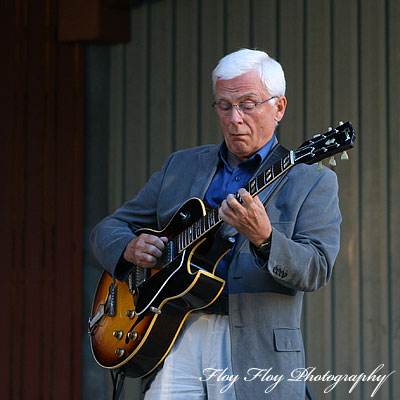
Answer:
x=229 y=180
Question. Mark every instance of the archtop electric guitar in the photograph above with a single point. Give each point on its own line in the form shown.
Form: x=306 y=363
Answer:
x=134 y=323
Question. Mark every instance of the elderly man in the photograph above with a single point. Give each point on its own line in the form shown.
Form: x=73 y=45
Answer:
x=248 y=343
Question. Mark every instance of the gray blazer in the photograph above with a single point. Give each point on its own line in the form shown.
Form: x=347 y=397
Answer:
x=266 y=296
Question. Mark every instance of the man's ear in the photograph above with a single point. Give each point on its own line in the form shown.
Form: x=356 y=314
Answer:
x=280 y=107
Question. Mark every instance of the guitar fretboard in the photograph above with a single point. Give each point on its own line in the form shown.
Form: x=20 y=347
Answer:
x=204 y=224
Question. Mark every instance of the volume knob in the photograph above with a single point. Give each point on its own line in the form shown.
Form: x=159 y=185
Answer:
x=130 y=314
x=118 y=334
x=132 y=335
x=120 y=352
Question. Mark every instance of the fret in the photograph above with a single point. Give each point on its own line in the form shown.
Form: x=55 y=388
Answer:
x=193 y=232
x=174 y=248
x=259 y=180
x=180 y=241
x=198 y=228
x=280 y=166
x=203 y=224
x=216 y=216
x=183 y=239
x=211 y=218
x=276 y=170
x=187 y=237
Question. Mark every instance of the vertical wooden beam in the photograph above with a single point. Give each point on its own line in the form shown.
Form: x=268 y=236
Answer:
x=42 y=257
x=317 y=114
x=211 y=37
x=237 y=21
x=33 y=233
x=346 y=275
x=374 y=191
x=393 y=104
x=263 y=26
x=160 y=69
x=68 y=228
x=137 y=52
x=291 y=38
x=8 y=99
x=186 y=74
x=48 y=320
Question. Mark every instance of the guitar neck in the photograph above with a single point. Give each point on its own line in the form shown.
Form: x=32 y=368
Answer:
x=206 y=223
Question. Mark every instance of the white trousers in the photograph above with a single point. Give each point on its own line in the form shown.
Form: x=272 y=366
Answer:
x=199 y=363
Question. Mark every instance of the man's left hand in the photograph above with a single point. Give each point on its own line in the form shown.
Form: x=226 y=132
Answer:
x=249 y=218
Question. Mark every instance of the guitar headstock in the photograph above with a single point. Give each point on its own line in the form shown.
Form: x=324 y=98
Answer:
x=325 y=145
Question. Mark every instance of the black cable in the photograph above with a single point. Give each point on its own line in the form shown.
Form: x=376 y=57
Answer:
x=118 y=382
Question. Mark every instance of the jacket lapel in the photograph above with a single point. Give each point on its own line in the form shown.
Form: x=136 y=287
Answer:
x=206 y=167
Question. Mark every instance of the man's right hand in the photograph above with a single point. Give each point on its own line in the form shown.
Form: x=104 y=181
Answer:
x=144 y=250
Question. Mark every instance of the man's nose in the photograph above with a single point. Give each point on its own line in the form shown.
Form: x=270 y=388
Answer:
x=236 y=114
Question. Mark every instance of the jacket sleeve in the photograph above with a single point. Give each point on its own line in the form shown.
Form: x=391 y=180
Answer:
x=304 y=248
x=111 y=235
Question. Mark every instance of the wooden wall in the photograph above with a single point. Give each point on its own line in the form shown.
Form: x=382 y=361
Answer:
x=341 y=59
x=41 y=105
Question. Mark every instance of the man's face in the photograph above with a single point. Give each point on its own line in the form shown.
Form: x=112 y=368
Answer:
x=245 y=134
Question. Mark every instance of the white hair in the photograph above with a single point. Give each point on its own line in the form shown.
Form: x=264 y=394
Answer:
x=246 y=60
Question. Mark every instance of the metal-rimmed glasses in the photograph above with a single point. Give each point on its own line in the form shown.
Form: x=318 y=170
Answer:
x=247 y=107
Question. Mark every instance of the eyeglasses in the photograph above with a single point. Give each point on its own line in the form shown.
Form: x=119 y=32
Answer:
x=247 y=107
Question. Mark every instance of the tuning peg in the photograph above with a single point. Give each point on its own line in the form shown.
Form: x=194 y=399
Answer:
x=332 y=161
x=330 y=129
x=344 y=156
x=319 y=168
x=341 y=123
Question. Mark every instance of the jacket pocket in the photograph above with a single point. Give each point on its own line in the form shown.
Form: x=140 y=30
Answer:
x=287 y=339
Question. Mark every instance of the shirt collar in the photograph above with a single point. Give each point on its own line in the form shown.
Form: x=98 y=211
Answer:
x=258 y=157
